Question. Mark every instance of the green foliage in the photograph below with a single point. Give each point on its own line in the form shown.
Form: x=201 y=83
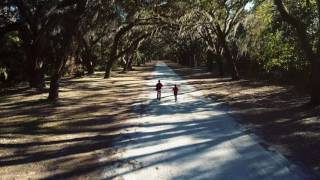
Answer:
x=279 y=53
x=272 y=44
x=182 y=30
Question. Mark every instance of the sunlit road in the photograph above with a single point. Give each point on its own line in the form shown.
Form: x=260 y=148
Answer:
x=193 y=138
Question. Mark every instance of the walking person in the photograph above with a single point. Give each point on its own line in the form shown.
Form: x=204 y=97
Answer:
x=175 y=92
x=158 y=89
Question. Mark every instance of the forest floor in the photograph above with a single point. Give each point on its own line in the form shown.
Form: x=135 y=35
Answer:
x=279 y=114
x=70 y=138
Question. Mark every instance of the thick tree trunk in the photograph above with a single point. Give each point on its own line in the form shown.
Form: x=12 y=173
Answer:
x=218 y=58
x=60 y=61
x=235 y=73
x=129 y=68
x=128 y=65
x=227 y=54
x=125 y=65
x=35 y=72
x=125 y=68
x=195 y=62
x=55 y=77
x=114 y=49
x=190 y=59
x=107 y=72
x=219 y=61
x=234 y=70
x=109 y=67
x=89 y=58
x=210 y=61
x=54 y=87
x=91 y=65
x=90 y=69
x=112 y=60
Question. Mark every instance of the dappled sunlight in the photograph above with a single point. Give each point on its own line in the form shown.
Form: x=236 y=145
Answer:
x=115 y=128
x=278 y=113
x=67 y=138
x=194 y=138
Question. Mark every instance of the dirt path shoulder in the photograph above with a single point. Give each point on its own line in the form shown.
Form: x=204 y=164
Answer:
x=276 y=113
x=71 y=138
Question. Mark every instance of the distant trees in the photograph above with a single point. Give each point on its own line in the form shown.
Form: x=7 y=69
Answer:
x=135 y=24
x=271 y=39
x=207 y=27
x=248 y=37
x=252 y=37
x=223 y=16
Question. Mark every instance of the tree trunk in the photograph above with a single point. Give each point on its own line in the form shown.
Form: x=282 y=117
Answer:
x=36 y=74
x=109 y=67
x=190 y=57
x=234 y=71
x=54 y=87
x=61 y=54
x=90 y=69
x=88 y=57
x=227 y=54
x=34 y=45
x=60 y=61
x=112 y=60
x=56 y=75
x=130 y=64
x=91 y=64
x=125 y=64
x=195 y=62
x=114 y=49
x=218 y=57
x=219 y=61
x=209 y=61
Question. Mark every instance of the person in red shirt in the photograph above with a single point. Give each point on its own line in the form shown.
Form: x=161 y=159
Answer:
x=158 y=89
x=175 y=92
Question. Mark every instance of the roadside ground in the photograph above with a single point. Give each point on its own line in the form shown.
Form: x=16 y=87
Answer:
x=279 y=114
x=70 y=138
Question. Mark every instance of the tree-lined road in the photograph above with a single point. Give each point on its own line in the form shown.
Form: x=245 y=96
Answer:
x=194 y=138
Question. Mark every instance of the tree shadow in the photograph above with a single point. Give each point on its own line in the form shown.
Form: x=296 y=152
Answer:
x=70 y=137
x=210 y=129
x=66 y=143
x=277 y=113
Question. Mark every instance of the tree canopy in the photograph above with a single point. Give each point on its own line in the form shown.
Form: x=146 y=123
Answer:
x=46 y=40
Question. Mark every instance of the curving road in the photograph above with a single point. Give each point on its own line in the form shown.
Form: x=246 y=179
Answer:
x=193 y=138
